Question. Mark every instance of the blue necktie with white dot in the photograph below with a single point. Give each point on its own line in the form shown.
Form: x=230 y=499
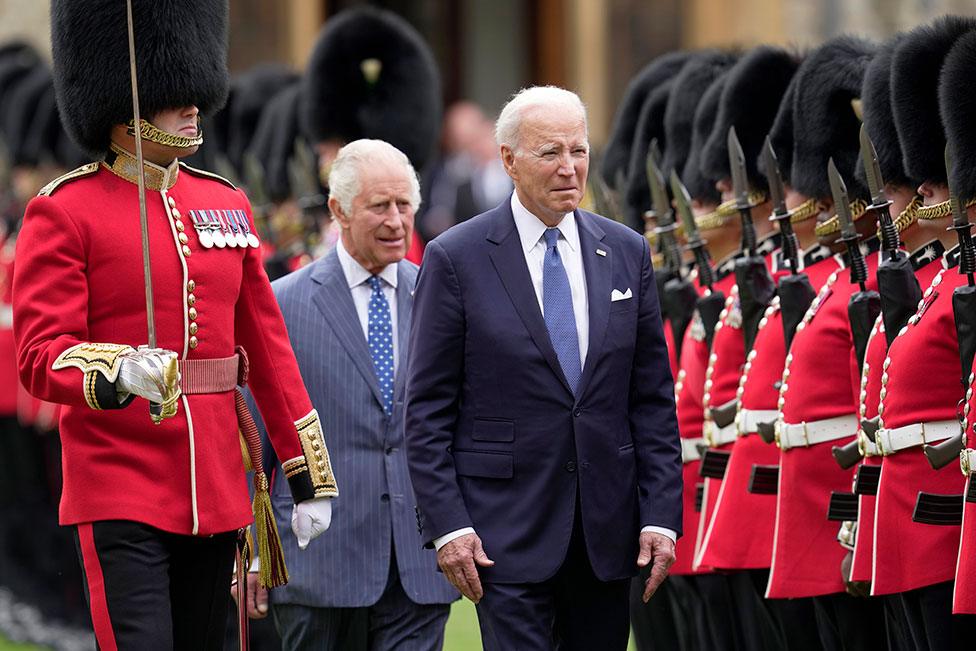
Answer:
x=381 y=341
x=557 y=310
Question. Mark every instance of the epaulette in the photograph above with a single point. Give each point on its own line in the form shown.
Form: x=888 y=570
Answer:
x=209 y=175
x=85 y=170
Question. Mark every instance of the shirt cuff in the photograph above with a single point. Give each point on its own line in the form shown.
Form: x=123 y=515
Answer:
x=448 y=537
x=664 y=531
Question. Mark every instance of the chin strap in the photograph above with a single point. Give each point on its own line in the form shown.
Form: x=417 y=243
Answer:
x=150 y=132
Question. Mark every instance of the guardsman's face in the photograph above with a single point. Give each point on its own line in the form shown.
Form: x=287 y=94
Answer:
x=550 y=164
x=184 y=121
x=377 y=230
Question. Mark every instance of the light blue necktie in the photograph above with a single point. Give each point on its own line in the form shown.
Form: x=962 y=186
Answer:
x=557 y=310
x=381 y=341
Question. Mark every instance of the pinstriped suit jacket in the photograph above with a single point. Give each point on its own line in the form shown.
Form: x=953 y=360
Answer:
x=348 y=566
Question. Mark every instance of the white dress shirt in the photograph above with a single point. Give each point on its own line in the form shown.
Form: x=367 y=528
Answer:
x=358 y=279
x=530 y=230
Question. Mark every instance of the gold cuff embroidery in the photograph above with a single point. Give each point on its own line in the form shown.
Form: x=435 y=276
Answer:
x=316 y=455
x=89 y=358
x=294 y=466
x=90 y=397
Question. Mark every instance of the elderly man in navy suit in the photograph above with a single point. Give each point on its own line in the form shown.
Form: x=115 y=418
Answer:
x=541 y=434
x=371 y=585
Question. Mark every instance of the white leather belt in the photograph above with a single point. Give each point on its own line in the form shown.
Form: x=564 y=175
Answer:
x=803 y=435
x=719 y=436
x=689 y=449
x=866 y=445
x=967 y=461
x=894 y=440
x=747 y=420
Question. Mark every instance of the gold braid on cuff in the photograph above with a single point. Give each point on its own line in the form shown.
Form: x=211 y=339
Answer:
x=858 y=208
x=153 y=134
x=316 y=455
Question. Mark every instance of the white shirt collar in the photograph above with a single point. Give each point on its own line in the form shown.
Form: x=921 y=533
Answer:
x=356 y=274
x=530 y=228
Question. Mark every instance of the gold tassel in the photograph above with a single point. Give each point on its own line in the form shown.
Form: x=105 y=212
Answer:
x=248 y=465
x=273 y=572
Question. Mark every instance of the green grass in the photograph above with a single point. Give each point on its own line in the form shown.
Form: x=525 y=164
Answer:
x=10 y=646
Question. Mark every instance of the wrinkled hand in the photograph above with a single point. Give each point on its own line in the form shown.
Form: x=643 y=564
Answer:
x=153 y=374
x=658 y=550
x=257 y=596
x=310 y=519
x=457 y=560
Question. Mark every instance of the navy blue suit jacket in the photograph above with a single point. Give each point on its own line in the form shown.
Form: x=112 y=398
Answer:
x=495 y=437
x=348 y=565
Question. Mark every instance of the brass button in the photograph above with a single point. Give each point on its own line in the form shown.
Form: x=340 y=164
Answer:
x=194 y=342
x=191 y=300
x=183 y=238
x=186 y=250
x=180 y=226
x=190 y=285
x=193 y=327
x=172 y=202
x=192 y=314
x=176 y=213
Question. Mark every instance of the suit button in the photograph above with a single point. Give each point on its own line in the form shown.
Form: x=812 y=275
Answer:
x=578 y=412
x=570 y=466
x=384 y=497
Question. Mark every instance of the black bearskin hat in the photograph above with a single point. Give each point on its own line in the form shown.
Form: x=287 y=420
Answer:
x=616 y=155
x=181 y=60
x=700 y=186
x=958 y=109
x=753 y=91
x=650 y=125
x=688 y=90
x=16 y=62
x=825 y=125
x=781 y=133
x=371 y=75
x=274 y=140
x=878 y=119
x=47 y=141
x=22 y=106
x=914 y=94
x=252 y=90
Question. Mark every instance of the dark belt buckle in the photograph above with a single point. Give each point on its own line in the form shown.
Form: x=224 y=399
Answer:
x=843 y=506
x=940 y=510
x=767 y=432
x=714 y=463
x=764 y=480
x=867 y=479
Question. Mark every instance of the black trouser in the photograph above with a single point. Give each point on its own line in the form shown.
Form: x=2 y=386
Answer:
x=847 y=622
x=931 y=624
x=654 y=624
x=148 y=589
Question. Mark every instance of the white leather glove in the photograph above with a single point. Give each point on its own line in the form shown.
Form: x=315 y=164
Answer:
x=310 y=519
x=153 y=374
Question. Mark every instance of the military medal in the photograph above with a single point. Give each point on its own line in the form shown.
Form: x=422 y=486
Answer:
x=217 y=231
x=252 y=239
x=235 y=227
x=226 y=227
x=202 y=229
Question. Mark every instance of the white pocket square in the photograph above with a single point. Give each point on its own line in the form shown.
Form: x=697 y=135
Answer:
x=617 y=295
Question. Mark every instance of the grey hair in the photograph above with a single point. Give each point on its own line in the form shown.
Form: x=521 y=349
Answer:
x=510 y=119
x=358 y=155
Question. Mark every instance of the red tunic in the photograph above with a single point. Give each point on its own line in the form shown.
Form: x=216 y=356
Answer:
x=919 y=385
x=79 y=279
x=819 y=382
x=727 y=544
x=8 y=358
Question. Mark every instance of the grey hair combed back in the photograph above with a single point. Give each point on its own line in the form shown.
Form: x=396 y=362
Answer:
x=510 y=119
x=357 y=156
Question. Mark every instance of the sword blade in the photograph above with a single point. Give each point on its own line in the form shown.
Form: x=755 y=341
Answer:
x=838 y=189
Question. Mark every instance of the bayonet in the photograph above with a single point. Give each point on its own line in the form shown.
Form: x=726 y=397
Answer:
x=848 y=232
x=879 y=200
x=740 y=188
x=960 y=224
x=777 y=194
x=663 y=215
x=682 y=200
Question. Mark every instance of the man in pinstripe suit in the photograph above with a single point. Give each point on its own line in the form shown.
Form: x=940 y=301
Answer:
x=370 y=585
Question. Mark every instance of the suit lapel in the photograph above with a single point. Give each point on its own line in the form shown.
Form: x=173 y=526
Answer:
x=599 y=276
x=404 y=300
x=509 y=262
x=334 y=301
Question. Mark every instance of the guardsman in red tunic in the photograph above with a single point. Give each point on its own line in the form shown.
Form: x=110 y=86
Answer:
x=920 y=389
x=817 y=394
x=156 y=507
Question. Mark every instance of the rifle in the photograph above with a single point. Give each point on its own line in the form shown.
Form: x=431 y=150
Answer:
x=795 y=291
x=964 y=315
x=712 y=303
x=756 y=286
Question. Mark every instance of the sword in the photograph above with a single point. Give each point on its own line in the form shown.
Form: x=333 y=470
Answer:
x=879 y=200
x=740 y=188
x=777 y=193
x=155 y=410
